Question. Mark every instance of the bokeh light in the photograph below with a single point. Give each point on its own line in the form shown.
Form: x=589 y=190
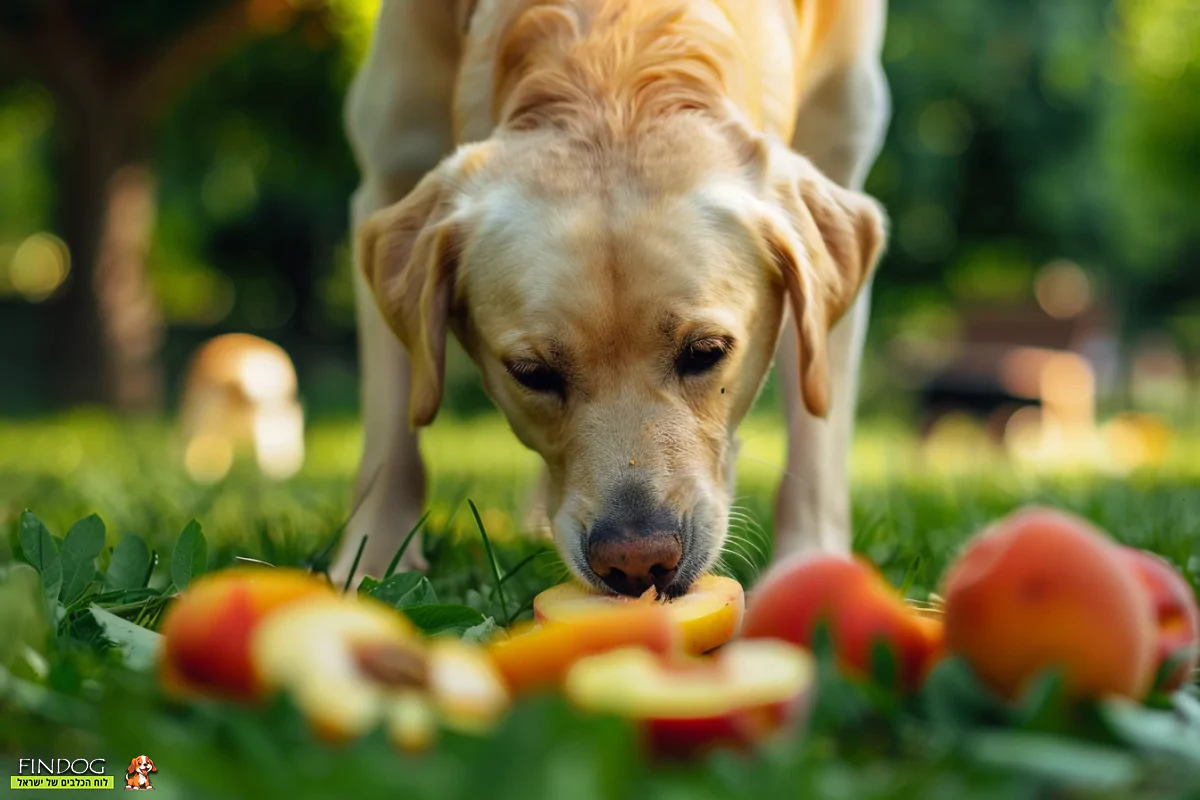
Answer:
x=1063 y=289
x=267 y=376
x=1135 y=440
x=39 y=266
x=208 y=458
x=279 y=440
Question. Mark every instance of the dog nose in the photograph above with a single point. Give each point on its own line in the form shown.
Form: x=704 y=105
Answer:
x=631 y=555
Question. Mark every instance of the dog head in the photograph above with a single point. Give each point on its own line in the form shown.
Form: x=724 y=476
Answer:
x=623 y=307
x=141 y=766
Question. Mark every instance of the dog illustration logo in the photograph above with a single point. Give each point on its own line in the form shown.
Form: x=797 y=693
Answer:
x=137 y=774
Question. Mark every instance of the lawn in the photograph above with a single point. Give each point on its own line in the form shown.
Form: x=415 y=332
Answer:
x=71 y=693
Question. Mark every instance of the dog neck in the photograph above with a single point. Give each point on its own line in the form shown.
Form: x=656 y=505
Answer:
x=606 y=70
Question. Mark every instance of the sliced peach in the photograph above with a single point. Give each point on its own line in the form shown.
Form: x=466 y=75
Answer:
x=1043 y=589
x=859 y=607
x=467 y=690
x=1176 y=613
x=207 y=629
x=709 y=615
x=539 y=655
x=737 y=697
x=350 y=665
x=342 y=661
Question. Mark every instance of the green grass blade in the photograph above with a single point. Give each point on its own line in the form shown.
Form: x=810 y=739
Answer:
x=523 y=562
x=487 y=545
x=404 y=545
x=354 y=566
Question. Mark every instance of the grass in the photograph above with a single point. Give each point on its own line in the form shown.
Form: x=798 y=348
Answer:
x=72 y=693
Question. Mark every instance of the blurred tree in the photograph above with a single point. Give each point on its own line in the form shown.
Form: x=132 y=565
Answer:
x=113 y=70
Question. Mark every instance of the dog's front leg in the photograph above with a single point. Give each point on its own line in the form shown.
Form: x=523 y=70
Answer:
x=399 y=123
x=841 y=129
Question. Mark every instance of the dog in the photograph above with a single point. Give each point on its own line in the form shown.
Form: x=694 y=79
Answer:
x=137 y=774
x=239 y=393
x=625 y=211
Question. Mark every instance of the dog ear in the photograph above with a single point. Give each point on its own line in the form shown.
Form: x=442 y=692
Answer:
x=150 y=761
x=132 y=768
x=409 y=254
x=825 y=240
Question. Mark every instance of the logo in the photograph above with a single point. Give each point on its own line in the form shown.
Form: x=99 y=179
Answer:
x=61 y=773
x=137 y=774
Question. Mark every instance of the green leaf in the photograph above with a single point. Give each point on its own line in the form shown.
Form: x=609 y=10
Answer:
x=401 y=590
x=1044 y=703
x=1187 y=705
x=139 y=645
x=481 y=633
x=24 y=624
x=84 y=541
x=444 y=618
x=1151 y=730
x=955 y=700
x=190 y=558
x=128 y=567
x=884 y=670
x=1078 y=764
x=42 y=554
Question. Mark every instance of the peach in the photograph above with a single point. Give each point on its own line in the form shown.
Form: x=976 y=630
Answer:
x=709 y=615
x=342 y=661
x=539 y=655
x=351 y=665
x=468 y=691
x=858 y=605
x=738 y=697
x=1176 y=612
x=207 y=629
x=1043 y=589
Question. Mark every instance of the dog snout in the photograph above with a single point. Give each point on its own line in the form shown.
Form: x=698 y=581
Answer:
x=632 y=551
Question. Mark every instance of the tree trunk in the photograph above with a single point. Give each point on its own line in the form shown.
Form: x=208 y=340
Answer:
x=108 y=329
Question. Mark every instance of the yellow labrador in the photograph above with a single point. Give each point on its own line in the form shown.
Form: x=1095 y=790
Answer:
x=622 y=209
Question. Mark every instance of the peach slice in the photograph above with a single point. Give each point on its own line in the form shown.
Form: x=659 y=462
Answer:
x=709 y=615
x=1176 y=612
x=467 y=690
x=538 y=655
x=859 y=606
x=1043 y=589
x=342 y=661
x=738 y=697
x=352 y=664
x=207 y=629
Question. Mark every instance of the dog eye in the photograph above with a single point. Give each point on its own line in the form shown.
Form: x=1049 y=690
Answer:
x=701 y=356
x=538 y=377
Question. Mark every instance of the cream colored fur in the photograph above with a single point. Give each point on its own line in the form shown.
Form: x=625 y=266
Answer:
x=594 y=187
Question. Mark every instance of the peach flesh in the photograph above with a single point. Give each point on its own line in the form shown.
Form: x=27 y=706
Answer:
x=341 y=660
x=743 y=694
x=539 y=655
x=709 y=615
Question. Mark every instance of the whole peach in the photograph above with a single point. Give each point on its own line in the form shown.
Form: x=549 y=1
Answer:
x=1176 y=612
x=859 y=606
x=1043 y=589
